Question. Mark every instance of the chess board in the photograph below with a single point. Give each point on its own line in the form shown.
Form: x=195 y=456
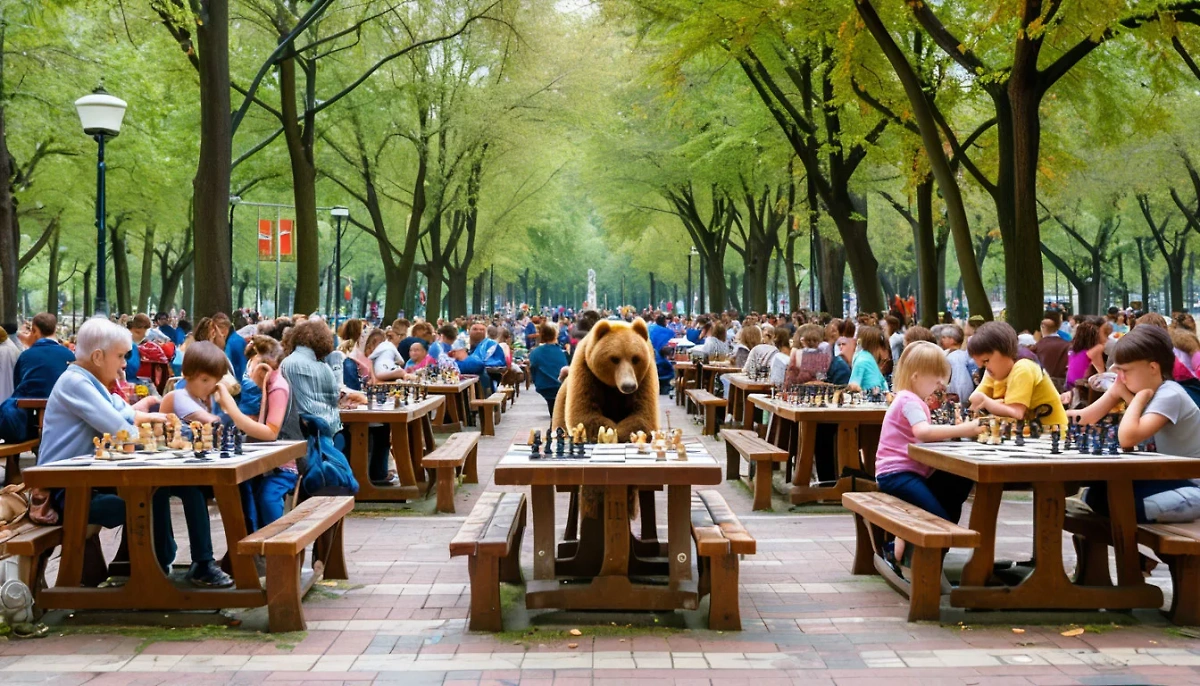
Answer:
x=171 y=458
x=1034 y=449
x=603 y=453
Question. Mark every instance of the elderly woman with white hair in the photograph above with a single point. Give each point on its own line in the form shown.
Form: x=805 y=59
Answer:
x=81 y=408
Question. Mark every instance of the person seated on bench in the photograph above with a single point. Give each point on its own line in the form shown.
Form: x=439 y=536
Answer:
x=1011 y=387
x=921 y=370
x=36 y=371
x=266 y=492
x=1157 y=409
x=81 y=409
x=204 y=365
x=872 y=353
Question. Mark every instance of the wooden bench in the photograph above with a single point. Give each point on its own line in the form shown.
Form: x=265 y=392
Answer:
x=282 y=543
x=458 y=452
x=509 y=397
x=491 y=540
x=714 y=408
x=760 y=454
x=11 y=454
x=489 y=412
x=929 y=536
x=720 y=538
x=32 y=544
x=1178 y=545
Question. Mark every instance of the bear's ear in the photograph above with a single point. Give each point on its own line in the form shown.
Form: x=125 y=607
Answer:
x=600 y=328
x=639 y=327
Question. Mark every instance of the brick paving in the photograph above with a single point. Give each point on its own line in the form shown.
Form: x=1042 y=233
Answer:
x=806 y=620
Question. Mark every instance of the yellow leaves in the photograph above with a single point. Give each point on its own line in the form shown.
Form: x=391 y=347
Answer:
x=962 y=48
x=1078 y=631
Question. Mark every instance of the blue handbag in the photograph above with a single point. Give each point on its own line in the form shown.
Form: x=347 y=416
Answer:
x=326 y=470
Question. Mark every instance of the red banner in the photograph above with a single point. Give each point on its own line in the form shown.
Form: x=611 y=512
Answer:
x=266 y=232
x=286 y=251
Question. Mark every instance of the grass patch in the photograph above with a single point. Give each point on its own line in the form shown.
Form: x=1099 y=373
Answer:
x=150 y=635
x=330 y=589
x=511 y=596
x=1102 y=628
x=1182 y=632
x=385 y=513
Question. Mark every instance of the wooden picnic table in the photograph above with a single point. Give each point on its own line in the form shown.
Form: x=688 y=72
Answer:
x=412 y=437
x=740 y=388
x=794 y=428
x=594 y=572
x=684 y=371
x=994 y=468
x=710 y=371
x=11 y=453
x=456 y=414
x=135 y=481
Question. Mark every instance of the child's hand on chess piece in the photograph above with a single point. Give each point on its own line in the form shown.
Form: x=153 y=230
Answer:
x=140 y=418
x=971 y=429
x=224 y=397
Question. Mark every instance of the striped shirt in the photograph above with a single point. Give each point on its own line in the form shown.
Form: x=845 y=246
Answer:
x=314 y=386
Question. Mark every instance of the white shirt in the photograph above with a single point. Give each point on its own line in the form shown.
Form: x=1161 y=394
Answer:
x=9 y=352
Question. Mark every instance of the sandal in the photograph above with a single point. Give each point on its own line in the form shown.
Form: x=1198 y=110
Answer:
x=30 y=630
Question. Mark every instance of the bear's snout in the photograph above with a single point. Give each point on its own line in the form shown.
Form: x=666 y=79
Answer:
x=628 y=387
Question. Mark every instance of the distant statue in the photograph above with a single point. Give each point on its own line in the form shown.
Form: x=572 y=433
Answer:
x=591 y=288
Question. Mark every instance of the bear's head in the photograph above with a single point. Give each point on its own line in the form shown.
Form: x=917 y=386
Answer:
x=619 y=354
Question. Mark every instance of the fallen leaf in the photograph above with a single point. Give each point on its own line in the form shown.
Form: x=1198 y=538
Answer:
x=1018 y=631
x=1073 y=632
x=329 y=583
x=572 y=646
x=575 y=632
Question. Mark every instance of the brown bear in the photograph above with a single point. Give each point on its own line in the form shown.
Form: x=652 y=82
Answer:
x=612 y=383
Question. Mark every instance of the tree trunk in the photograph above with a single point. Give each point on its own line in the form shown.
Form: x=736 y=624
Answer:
x=477 y=295
x=120 y=261
x=864 y=268
x=10 y=232
x=187 y=301
x=732 y=293
x=299 y=138
x=789 y=259
x=242 y=288
x=1145 y=270
x=716 y=285
x=146 y=283
x=52 y=274
x=832 y=268
x=1025 y=294
x=926 y=248
x=456 y=292
x=211 y=184
x=940 y=245
x=87 y=290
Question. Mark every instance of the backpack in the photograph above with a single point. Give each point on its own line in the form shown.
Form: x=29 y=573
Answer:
x=326 y=470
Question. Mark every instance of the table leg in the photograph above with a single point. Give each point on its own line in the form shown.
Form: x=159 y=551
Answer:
x=144 y=573
x=359 y=457
x=427 y=429
x=416 y=448
x=735 y=404
x=451 y=415
x=74 y=522
x=233 y=520
x=543 y=531
x=804 y=449
x=402 y=456
x=616 y=532
x=984 y=512
x=679 y=537
x=847 y=449
x=1122 y=515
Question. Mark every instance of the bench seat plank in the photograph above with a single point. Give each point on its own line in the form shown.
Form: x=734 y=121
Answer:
x=720 y=539
x=303 y=525
x=491 y=540
x=910 y=522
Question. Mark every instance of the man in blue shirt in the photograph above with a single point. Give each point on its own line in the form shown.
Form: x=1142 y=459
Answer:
x=163 y=322
x=660 y=335
x=235 y=345
x=34 y=376
x=481 y=352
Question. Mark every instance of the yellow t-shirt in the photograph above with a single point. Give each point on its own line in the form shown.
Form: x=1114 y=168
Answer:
x=1027 y=385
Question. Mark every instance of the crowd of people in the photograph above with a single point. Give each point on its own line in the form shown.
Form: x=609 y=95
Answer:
x=261 y=374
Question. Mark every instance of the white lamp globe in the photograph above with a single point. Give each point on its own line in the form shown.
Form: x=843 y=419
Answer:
x=101 y=113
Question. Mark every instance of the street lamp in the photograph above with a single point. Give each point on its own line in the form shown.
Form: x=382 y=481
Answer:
x=338 y=214
x=691 y=253
x=100 y=114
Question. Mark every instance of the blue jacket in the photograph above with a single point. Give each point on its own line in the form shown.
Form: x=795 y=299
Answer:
x=545 y=362
x=38 y=368
x=235 y=350
x=659 y=337
x=132 y=363
x=839 y=371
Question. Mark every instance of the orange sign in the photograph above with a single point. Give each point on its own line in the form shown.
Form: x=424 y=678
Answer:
x=266 y=232
x=286 y=247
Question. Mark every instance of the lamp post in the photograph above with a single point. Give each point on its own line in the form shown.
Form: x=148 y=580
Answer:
x=691 y=253
x=338 y=214
x=100 y=114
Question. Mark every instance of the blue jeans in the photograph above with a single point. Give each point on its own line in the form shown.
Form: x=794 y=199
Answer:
x=1097 y=495
x=942 y=494
x=550 y=394
x=269 y=492
x=195 y=513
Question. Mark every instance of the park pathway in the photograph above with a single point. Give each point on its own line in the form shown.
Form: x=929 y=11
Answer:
x=806 y=620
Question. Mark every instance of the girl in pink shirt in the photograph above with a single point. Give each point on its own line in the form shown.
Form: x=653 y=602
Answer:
x=921 y=370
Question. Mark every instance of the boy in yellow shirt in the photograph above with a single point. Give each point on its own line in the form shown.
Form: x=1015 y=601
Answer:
x=1012 y=387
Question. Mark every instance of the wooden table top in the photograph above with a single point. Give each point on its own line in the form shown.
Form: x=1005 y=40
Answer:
x=1033 y=462
x=720 y=367
x=742 y=380
x=171 y=468
x=612 y=464
x=684 y=364
x=463 y=384
x=868 y=414
x=389 y=412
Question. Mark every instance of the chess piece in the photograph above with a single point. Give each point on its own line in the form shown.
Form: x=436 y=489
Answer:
x=1020 y=440
x=995 y=437
x=559 y=441
x=1055 y=433
x=531 y=434
x=101 y=449
x=535 y=442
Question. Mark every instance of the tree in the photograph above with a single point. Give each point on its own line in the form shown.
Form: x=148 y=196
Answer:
x=1090 y=282
x=1172 y=246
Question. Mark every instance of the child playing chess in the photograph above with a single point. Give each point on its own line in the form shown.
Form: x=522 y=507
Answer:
x=267 y=491
x=1011 y=387
x=1158 y=408
x=203 y=366
x=922 y=369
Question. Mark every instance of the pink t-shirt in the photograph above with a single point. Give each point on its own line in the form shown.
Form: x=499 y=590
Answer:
x=274 y=406
x=906 y=411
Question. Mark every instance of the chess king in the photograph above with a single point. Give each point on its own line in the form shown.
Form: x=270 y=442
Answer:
x=613 y=383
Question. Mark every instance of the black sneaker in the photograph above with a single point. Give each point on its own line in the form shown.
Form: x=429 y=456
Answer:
x=208 y=575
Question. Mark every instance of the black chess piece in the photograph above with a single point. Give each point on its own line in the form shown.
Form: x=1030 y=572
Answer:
x=1055 y=433
x=546 y=448
x=1020 y=440
x=238 y=437
x=560 y=437
x=222 y=438
x=537 y=443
